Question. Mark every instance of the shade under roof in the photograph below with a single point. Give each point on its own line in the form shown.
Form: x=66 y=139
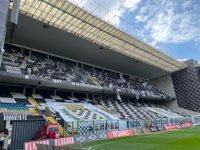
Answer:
x=71 y=18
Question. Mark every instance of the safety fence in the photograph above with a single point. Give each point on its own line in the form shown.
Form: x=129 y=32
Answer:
x=90 y=127
x=95 y=127
x=196 y=120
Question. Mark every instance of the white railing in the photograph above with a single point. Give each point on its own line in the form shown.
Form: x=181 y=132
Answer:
x=108 y=16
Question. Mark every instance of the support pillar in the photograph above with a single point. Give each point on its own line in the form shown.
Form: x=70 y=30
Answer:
x=33 y=90
x=4 y=6
x=13 y=20
x=54 y=92
x=87 y=95
x=24 y=90
x=72 y=94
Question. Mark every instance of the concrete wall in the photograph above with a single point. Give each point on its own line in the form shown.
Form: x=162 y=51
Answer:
x=165 y=84
x=4 y=4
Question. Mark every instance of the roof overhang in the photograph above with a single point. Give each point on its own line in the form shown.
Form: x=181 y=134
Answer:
x=69 y=17
x=31 y=34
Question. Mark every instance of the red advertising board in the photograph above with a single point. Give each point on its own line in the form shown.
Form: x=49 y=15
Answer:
x=64 y=141
x=171 y=127
x=33 y=145
x=186 y=125
x=177 y=126
x=57 y=142
x=121 y=133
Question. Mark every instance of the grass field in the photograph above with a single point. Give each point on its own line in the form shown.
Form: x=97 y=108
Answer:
x=185 y=139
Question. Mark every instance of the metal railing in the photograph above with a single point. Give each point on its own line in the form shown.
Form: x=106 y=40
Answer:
x=95 y=8
x=90 y=127
x=95 y=127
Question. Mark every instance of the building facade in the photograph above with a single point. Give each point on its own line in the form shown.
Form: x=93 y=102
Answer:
x=187 y=86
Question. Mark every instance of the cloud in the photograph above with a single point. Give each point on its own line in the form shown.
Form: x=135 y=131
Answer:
x=162 y=21
x=130 y=4
x=116 y=8
x=170 y=21
x=182 y=59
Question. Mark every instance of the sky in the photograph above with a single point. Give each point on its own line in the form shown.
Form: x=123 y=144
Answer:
x=172 y=26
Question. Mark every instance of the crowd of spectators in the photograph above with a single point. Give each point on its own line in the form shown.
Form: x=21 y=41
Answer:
x=49 y=67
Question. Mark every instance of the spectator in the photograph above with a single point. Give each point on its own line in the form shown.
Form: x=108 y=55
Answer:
x=3 y=135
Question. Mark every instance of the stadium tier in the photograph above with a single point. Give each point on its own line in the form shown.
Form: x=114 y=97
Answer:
x=73 y=110
x=130 y=110
x=85 y=117
x=58 y=70
x=98 y=109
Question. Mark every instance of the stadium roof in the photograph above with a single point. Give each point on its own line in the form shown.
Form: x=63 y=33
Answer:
x=71 y=18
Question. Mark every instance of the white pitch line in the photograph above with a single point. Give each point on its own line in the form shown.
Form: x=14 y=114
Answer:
x=134 y=137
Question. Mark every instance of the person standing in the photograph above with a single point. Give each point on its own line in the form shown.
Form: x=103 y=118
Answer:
x=3 y=135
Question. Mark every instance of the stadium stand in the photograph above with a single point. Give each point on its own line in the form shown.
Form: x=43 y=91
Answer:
x=16 y=103
x=108 y=109
x=40 y=66
x=92 y=110
x=66 y=110
x=44 y=85
x=130 y=110
x=21 y=98
x=76 y=110
x=39 y=99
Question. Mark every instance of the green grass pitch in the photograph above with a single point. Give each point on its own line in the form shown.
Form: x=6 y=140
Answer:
x=184 y=139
